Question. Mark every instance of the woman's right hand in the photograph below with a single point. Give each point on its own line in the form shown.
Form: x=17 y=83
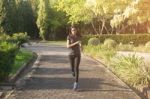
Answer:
x=73 y=44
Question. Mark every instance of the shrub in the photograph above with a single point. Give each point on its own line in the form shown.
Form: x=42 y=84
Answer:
x=4 y=37
x=99 y=52
x=20 y=38
x=7 y=57
x=147 y=44
x=137 y=39
x=125 y=47
x=131 y=70
x=94 y=41
x=109 y=43
x=86 y=38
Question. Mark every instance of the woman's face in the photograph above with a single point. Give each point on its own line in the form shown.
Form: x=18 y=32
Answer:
x=73 y=31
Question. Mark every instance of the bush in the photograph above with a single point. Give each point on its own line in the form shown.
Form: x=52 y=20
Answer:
x=4 y=37
x=7 y=58
x=147 y=44
x=131 y=69
x=86 y=38
x=109 y=43
x=125 y=47
x=137 y=39
x=20 y=38
x=94 y=41
x=99 y=52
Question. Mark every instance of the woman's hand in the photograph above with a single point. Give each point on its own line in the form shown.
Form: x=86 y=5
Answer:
x=73 y=44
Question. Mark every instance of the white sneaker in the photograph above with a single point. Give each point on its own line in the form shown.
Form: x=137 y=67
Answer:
x=75 y=86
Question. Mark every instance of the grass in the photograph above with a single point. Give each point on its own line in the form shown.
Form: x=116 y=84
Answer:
x=131 y=69
x=22 y=57
x=100 y=52
x=129 y=47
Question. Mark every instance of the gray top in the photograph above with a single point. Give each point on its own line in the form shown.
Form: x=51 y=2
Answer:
x=75 y=50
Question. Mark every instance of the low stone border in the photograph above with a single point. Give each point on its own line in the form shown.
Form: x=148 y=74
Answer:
x=21 y=82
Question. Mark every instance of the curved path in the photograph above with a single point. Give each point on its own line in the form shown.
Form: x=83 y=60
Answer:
x=50 y=78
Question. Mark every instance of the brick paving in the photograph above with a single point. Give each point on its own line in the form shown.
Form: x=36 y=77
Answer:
x=52 y=78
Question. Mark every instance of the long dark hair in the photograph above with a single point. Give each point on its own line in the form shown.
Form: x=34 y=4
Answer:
x=77 y=30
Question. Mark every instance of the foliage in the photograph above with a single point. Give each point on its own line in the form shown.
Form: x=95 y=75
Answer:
x=7 y=58
x=147 y=44
x=100 y=52
x=43 y=19
x=136 y=39
x=20 y=38
x=110 y=43
x=21 y=57
x=17 y=38
x=74 y=9
x=125 y=47
x=26 y=19
x=3 y=17
x=94 y=41
x=136 y=14
x=131 y=69
x=4 y=37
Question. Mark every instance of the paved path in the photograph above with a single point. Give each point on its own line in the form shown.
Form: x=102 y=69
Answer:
x=53 y=80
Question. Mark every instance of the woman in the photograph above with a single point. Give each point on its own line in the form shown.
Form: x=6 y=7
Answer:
x=73 y=43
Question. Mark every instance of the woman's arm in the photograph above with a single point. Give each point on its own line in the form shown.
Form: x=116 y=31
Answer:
x=73 y=44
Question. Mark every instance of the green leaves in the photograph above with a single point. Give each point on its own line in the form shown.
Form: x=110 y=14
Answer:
x=130 y=69
x=8 y=52
x=43 y=19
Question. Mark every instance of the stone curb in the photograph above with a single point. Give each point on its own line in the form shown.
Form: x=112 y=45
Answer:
x=35 y=66
x=115 y=76
x=21 y=82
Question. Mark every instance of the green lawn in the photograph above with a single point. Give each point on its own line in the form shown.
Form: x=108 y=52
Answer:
x=22 y=57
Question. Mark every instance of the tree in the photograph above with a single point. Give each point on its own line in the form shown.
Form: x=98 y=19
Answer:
x=43 y=19
x=74 y=9
x=96 y=12
x=26 y=20
x=135 y=14
x=6 y=18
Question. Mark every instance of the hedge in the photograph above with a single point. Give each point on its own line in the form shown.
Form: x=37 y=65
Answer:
x=9 y=46
x=8 y=52
x=18 y=38
x=137 y=39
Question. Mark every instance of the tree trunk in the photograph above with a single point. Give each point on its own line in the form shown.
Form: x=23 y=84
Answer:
x=106 y=29
x=94 y=27
x=103 y=24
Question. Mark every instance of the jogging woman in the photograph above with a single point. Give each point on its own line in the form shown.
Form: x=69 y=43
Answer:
x=73 y=43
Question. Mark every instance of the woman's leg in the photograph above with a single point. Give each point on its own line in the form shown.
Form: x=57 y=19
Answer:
x=77 y=63
x=72 y=60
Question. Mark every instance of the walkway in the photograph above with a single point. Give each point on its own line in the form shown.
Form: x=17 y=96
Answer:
x=51 y=78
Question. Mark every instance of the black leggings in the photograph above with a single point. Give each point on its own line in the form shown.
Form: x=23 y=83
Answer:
x=74 y=62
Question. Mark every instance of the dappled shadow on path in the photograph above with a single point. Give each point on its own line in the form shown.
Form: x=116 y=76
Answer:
x=57 y=59
x=86 y=84
x=36 y=83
